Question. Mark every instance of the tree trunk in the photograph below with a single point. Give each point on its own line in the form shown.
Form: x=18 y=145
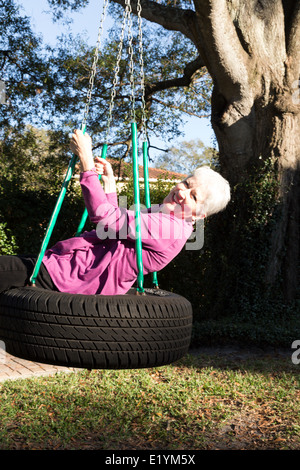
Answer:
x=264 y=134
x=284 y=255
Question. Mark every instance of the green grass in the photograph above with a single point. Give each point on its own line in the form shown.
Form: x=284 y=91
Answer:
x=201 y=402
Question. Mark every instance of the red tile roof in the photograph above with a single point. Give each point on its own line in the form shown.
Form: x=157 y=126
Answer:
x=154 y=173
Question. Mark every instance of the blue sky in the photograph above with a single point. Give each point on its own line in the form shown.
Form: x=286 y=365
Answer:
x=88 y=21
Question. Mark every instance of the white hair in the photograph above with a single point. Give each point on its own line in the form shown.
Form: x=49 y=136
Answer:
x=216 y=190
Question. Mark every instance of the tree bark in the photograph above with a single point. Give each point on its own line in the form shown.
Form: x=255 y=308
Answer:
x=284 y=255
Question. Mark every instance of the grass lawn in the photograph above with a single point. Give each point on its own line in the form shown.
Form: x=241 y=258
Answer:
x=207 y=401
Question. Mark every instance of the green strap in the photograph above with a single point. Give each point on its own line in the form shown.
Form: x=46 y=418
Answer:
x=85 y=212
x=138 y=239
x=54 y=215
x=147 y=194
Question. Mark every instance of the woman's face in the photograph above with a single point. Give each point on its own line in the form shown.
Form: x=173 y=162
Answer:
x=186 y=199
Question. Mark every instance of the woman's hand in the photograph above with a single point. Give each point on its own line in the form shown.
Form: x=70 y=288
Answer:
x=81 y=145
x=103 y=168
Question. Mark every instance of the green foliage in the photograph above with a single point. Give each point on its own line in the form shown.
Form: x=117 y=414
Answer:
x=8 y=245
x=27 y=213
x=226 y=283
x=59 y=7
x=23 y=68
x=32 y=169
x=33 y=159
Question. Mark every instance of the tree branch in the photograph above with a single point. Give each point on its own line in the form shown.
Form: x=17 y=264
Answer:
x=228 y=63
x=171 y=18
x=190 y=69
x=223 y=54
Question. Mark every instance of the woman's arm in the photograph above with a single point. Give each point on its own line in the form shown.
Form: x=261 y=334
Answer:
x=81 y=145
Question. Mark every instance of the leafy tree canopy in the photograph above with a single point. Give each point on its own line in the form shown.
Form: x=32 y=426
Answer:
x=47 y=87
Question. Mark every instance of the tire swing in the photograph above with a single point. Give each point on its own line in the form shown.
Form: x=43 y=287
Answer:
x=143 y=328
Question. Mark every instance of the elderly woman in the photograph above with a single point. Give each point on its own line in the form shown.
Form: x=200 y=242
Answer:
x=103 y=261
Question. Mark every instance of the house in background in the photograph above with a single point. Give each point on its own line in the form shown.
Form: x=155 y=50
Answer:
x=123 y=171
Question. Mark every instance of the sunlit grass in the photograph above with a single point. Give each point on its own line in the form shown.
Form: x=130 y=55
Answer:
x=203 y=402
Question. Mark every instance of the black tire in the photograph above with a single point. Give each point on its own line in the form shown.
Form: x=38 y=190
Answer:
x=95 y=332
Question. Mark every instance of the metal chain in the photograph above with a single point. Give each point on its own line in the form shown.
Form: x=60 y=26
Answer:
x=126 y=19
x=142 y=74
x=131 y=64
x=94 y=66
x=116 y=74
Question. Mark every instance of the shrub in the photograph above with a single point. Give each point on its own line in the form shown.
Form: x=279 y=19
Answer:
x=8 y=244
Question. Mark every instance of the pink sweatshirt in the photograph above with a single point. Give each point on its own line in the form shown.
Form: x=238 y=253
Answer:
x=103 y=261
